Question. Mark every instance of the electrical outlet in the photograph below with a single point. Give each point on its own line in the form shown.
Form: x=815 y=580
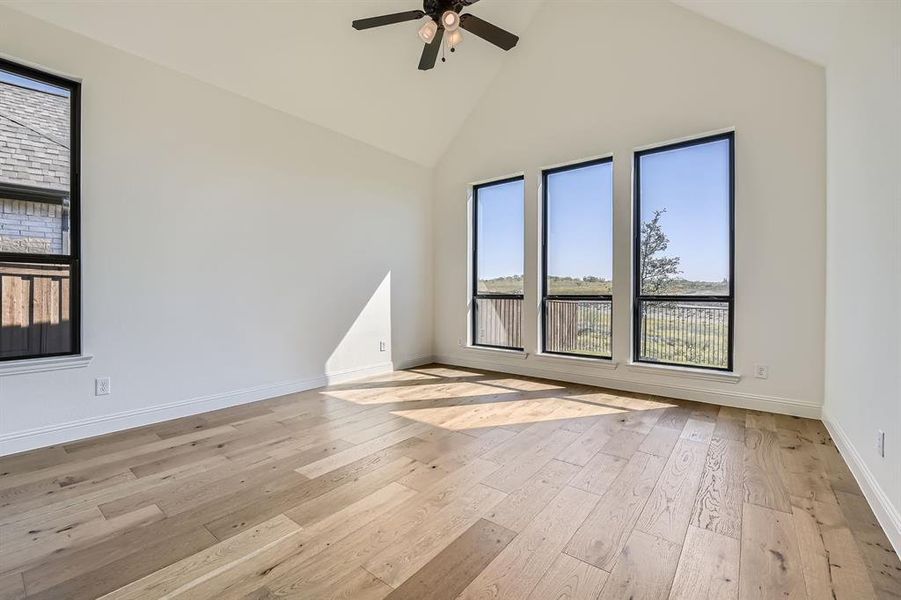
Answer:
x=101 y=386
x=761 y=371
x=880 y=443
x=382 y=346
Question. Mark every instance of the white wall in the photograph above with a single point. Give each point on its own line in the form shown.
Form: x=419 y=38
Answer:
x=213 y=273
x=863 y=356
x=229 y=249
x=593 y=78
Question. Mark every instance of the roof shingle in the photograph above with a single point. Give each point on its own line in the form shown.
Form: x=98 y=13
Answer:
x=34 y=138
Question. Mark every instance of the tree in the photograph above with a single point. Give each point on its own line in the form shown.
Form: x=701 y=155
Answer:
x=655 y=271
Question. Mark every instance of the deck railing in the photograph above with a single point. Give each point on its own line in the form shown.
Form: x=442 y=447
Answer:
x=685 y=333
x=680 y=333
x=498 y=321
x=578 y=326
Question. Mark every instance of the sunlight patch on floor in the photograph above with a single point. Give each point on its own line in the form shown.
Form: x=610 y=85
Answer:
x=523 y=385
x=429 y=392
x=446 y=372
x=512 y=412
x=404 y=376
x=624 y=402
x=387 y=381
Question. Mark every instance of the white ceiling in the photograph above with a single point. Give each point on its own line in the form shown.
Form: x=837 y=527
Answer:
x=803 y=27
x=303 y=57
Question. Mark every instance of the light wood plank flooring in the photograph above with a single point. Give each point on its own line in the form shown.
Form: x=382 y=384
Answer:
x=441 y=482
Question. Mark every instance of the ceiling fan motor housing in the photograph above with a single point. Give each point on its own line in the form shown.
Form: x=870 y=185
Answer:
x=435 y=8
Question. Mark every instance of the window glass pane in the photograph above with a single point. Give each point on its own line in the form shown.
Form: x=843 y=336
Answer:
x=34 y=227
x=499 y=238
x=580 y=230
x=498 y=322
x=35 y=146
x=685 y=333
x=35 y=304
x=684 y=238
x=574 y=326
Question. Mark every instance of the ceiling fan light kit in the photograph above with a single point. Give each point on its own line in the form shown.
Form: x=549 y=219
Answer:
x=443 y=16
x=454 y=38
x=428 y=30
x=450 y=20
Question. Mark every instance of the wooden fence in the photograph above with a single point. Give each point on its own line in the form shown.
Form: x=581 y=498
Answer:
x=680 y=333
x=34 y=310
x=498 y=322
x=578 y=327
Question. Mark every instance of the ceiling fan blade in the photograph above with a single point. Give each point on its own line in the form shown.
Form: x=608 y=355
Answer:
x=430 y=52
x=410 y=15
x=488 y=32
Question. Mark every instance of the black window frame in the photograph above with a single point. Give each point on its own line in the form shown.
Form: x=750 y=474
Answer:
x=21 y=192
x=475 y=264
x=638 y=297
x=544 y=273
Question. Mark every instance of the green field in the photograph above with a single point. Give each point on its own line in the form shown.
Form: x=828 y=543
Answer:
x=594 y=286
x=678 y=332
x=690 y=334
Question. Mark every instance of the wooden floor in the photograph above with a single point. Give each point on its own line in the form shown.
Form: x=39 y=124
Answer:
x=446 y=483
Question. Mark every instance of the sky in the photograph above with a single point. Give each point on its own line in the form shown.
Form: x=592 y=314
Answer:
x=691 y=183
x=501 y=227
x=580 y=222
x=7 y=77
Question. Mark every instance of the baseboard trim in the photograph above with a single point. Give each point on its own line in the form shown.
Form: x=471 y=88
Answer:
x=61 y=433
x=888 y=515
x=734 y=398
x=343 y=375
x=412 y=363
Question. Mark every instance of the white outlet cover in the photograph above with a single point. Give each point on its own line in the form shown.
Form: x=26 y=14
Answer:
x=102 y=386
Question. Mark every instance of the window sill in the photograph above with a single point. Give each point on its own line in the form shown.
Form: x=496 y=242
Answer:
x=687 y=372
x=37 y=365
x=521 y=354
x=602 y=363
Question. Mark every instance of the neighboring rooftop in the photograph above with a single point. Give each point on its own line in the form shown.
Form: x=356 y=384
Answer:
x=34 y=137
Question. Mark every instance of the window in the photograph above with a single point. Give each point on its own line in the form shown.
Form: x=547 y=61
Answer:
x=684 y=289
x=497 y=264
x=39 y=214
x=577 y=204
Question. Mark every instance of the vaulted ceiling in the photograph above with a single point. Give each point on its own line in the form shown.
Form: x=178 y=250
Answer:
x=303 y=57
x=807 y=29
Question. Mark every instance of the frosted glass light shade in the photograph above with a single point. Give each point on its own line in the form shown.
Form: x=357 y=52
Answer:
x=451 y=21
x=428 y=30
x=454 y=38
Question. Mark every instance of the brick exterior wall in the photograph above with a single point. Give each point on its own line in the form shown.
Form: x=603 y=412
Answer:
x=33 y=227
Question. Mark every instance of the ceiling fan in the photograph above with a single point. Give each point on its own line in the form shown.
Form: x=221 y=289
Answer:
x=443 y=16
